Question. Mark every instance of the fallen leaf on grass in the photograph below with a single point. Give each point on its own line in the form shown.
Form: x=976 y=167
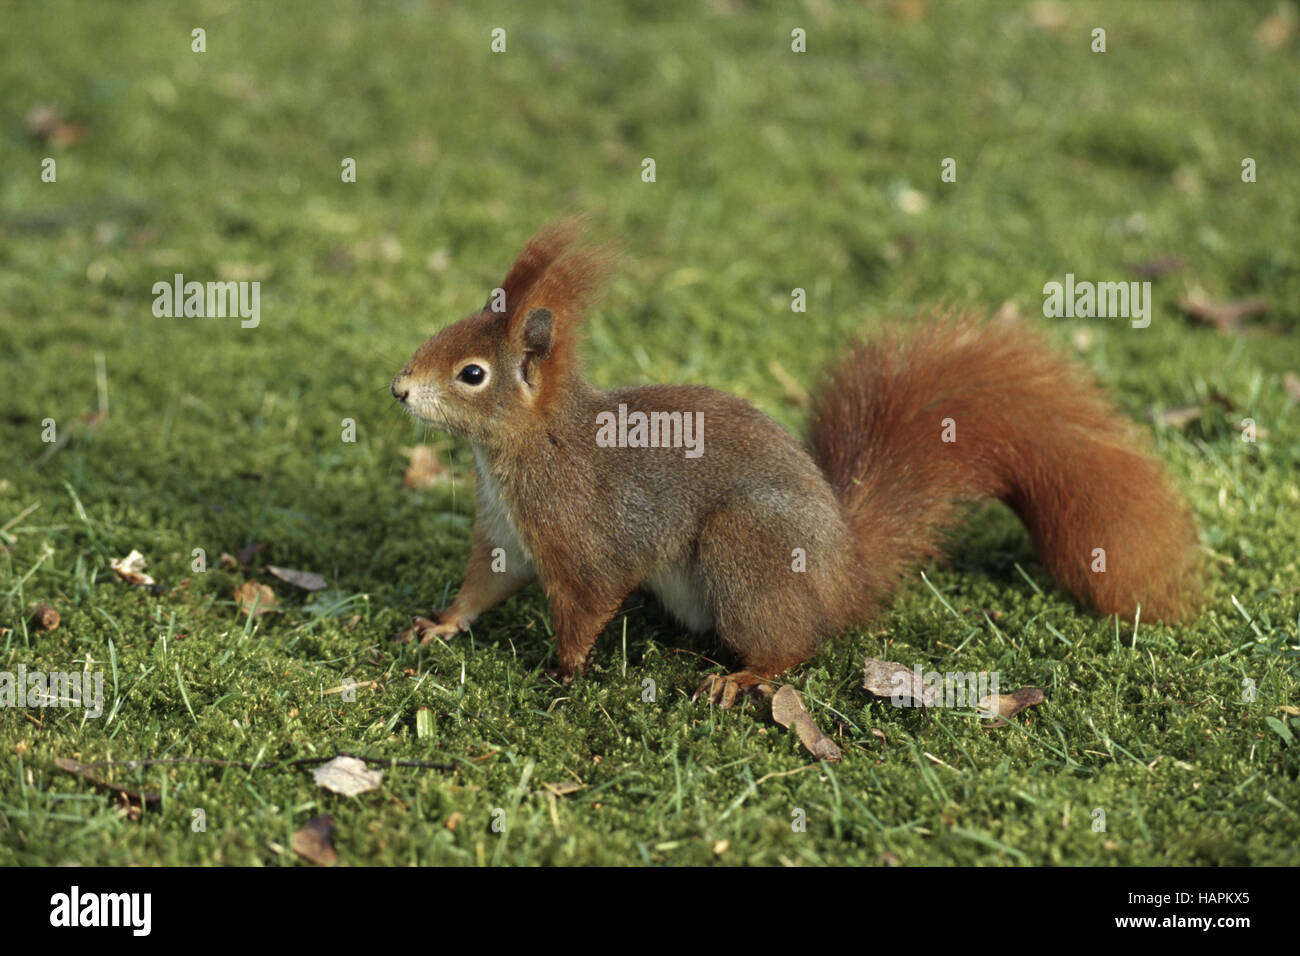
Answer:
x=133 y=801
x=46 y=123
x=424 y=470
x=312 y=842
x=94 y=419
x=1276 y=29
x=348 y=776
x=131 y=569
x=1179 y=417
x=1155 y=268
x=897 y=682
x=1183 y=415
x=44 y=617
x=352 y=686
x=41 y=120
x=247 y=553
x=1281 y=729
x=1224 y=316
x=1008 y=705
x=788 y=709
x=1291 y=383
x=796 y=393
x=307 y=580
x=1255 y=432
x=564 y=787
x=252 y=595
x=228 y=562
x=1049 y=15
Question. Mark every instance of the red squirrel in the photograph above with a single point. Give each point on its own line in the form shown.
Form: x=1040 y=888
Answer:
x=734 y=525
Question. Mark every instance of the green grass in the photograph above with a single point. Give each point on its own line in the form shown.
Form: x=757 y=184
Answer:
x=775 y=170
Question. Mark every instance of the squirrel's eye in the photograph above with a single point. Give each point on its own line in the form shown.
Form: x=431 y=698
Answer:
x=472 y=375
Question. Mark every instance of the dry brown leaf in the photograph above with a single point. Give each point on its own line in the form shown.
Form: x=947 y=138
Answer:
x=1224 y=316
x=348 y=776
x=42 y=119
x=1291 y=383
x=228 y=562
x=564 y=787
x=45 y=122
x=424 y=469
x=44 y=617
x=788 y=709
x=897 y=682
x=251 y=594
x=1155 y=268
x=1008 y=705
x=307 y=580
x=1258 y=432
x=312 y=842
x=796 y=393
x=133 y=801
x=131 y=569
x=247 y=553
x=453 y=821
x=69 y=134
x=1276 y=29
x=1179 y=417
x=1049 y=15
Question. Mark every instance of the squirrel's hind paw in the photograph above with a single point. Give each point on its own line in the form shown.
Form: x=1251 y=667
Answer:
x=721 y=690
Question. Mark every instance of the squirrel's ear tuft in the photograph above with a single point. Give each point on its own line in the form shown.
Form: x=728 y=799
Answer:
x=548 y=292
x=537 y=256
x=539 y=333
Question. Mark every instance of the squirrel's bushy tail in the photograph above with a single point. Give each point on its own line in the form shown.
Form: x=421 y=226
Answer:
x=1028 y=427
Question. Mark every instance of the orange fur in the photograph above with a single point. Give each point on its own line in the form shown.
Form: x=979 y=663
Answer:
x=1031 y=429
x=551 y=274
x=713 y=536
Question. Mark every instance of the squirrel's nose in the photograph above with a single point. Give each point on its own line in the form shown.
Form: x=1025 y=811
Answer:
x=400 y=391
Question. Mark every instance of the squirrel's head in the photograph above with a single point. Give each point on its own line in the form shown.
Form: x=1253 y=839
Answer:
x=498 y=372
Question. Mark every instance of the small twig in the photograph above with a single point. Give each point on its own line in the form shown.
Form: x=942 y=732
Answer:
x=247 y=765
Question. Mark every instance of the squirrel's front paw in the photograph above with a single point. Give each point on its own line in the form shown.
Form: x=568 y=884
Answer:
x=443 y=626
x=561 y=676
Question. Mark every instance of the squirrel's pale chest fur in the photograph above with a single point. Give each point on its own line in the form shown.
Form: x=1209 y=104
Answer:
x=675 y=581
x=499 y=524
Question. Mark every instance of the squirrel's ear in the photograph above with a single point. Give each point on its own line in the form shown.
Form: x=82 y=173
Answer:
x=539 y=332
x=539 y=335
